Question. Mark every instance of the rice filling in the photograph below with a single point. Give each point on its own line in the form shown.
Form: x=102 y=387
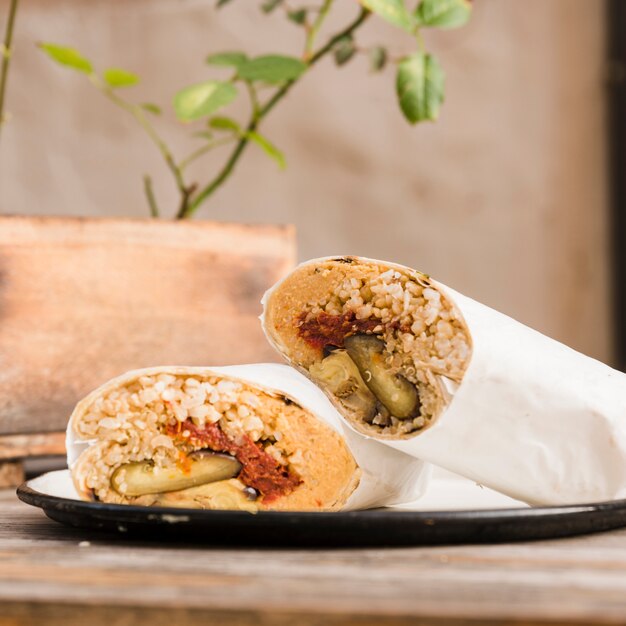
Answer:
x=166 y=419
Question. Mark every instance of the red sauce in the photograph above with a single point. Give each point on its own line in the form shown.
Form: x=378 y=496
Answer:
x=331 y=330
x=260 y=470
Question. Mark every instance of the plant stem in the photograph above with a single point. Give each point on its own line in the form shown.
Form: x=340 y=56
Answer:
x=315 y=28
x=147 y=186
x=6 y=56
x=203 y=150
x=225 y=172
x=184 y=199
x=254 y=99
x=420 y=40
x=138 y=113
x=218 y=180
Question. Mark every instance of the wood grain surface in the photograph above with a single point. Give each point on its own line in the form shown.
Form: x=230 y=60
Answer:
x=83 y=300
x=70 y=576
x=11 y=473
x=31 y=445
x=14 y=448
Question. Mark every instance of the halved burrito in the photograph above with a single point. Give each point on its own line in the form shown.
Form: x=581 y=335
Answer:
x=412 y=363
x=252 y=437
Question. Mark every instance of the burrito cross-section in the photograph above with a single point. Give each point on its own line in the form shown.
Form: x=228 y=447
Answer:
x=228 y=438
x=378 y=339
x=158 y=442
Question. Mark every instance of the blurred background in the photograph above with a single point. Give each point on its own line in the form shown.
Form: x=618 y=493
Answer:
x=505 y=198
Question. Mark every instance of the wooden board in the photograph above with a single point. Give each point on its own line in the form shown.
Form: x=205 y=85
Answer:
x=75 y=577
x=35 y=444
x=11 y=474
x=15 y=448
x=83 y=300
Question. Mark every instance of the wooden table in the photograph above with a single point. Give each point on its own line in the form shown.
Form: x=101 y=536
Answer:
x=72 y=577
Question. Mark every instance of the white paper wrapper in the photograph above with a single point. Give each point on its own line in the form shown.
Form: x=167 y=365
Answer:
x=388 y=476
x=532 y=418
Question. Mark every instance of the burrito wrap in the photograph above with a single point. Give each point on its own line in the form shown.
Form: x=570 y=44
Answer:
x=499 y=403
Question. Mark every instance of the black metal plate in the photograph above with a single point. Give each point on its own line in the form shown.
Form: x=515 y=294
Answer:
x=380 y=527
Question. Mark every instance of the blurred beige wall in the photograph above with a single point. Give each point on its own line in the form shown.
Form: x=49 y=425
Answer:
x=504 y=198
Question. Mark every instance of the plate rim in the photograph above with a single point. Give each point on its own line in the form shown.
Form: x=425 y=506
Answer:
x=33 y=497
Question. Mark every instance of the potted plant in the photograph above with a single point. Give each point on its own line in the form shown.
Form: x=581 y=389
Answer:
x=85 y=299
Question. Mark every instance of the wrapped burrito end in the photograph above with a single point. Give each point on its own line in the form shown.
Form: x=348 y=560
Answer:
x=448 y=380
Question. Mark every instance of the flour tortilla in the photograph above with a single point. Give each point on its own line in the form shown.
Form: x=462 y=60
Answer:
x=530 y=417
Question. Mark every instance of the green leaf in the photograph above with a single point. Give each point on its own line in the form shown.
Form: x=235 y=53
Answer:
x=443 y=13
x=224 y=123
x=202 y=99
x=298 y=16
x=68 y=57
x=269 y=5
x=220 y=3
x=344 y=50
x=378 y=58
x=394 y=11
x=116 y=77
x=227 y=59
x=420 y=87
x=272 y=68
x=151 y=108
x=269 y=148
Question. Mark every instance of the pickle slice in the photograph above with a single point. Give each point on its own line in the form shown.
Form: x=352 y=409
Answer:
x=339 y=374
x=142 y=478
x=395 y=392
x=228 y=495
